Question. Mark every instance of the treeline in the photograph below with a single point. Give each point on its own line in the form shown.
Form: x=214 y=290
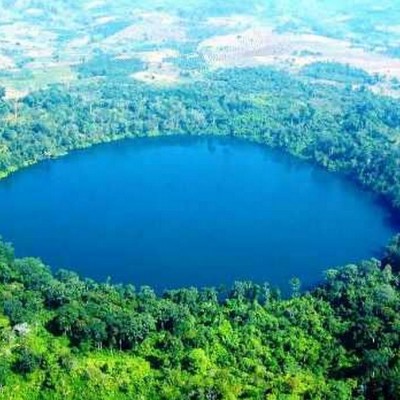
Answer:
x=103 y=65
x=342 y=73
x=66 y=338
x=351 y=131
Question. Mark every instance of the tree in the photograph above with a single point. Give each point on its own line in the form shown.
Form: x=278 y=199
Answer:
x=26 y=361
x=392 y=253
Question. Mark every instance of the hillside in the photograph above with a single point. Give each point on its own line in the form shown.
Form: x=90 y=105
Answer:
x=167 y=43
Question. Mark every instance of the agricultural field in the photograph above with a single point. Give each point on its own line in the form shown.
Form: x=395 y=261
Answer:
x=42 y=44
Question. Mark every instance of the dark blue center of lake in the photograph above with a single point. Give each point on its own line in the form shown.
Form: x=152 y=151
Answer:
x=179 y=211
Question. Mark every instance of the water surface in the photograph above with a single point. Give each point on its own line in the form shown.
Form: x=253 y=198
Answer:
x=171 y=212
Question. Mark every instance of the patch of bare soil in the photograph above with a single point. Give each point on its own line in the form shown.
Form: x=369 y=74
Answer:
x=263 y=46
x=233 y=22
x=154 y=28
x=158 y=69
x=28 y=40
x=6 y=62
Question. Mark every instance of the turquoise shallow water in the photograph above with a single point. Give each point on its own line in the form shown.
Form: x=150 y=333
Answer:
x=179 y=211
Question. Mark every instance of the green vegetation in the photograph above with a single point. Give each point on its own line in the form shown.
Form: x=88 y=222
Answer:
x=392 y=253
x=66 y=338
x=339 y=73
x=103 y=65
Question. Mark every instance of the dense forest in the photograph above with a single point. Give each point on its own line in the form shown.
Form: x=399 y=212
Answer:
x=66 y=338
x=341 y=127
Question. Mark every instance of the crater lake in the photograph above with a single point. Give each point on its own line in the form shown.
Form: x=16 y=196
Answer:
x=190 y=211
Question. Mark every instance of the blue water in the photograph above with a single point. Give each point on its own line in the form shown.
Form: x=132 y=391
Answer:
x=172 y=212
